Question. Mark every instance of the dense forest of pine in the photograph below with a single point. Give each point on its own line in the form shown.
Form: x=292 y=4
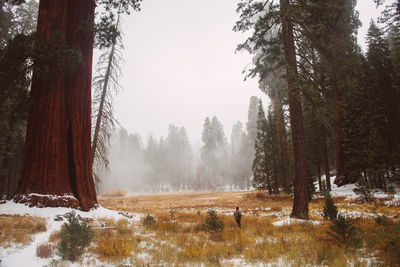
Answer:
x=334 y=109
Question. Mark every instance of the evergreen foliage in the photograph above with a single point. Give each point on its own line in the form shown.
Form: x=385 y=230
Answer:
x=213 y=224
x=75 y=236
x=330 y=211
x=363 y=188
x=260 y=168
x=341 y=229
x=372 y=118
x=267 y=164
x=149 y=221
x=344 y=232
x=214 y=154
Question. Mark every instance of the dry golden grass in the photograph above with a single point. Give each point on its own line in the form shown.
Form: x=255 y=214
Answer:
x=19 y=229
x=178 y=238
x=55 y=237
x=117 y=241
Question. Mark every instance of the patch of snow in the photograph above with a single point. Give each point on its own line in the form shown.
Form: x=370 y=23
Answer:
x=290 y=221
x=240 y=261
x=395 y=201
x=12 y=208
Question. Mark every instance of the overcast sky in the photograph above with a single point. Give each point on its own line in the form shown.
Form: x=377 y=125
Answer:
x=180 y=67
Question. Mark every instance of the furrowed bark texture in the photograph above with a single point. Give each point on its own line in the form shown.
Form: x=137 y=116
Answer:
x=301 y=189
x=57 y=156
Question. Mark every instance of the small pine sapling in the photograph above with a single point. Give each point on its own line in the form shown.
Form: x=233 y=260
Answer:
x=149 y=221
x=330 y=211
x=344 y=231
x=324 y=187
x=382 y=220
x=391 y=189
x=364 y=189
x=75 y=236
x=213 y=223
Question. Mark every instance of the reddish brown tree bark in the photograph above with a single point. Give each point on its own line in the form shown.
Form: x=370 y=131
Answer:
x=57 y=157
x=301 y=189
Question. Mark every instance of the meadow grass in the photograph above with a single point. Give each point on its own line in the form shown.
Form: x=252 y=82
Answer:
x=181 y=239
x=19 y=229
x=177 y=236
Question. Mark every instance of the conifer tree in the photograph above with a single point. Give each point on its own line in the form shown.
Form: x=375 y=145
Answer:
x=260 y=168
x=330 y=211
x=274 y=42
x=75 y=236
x=272 y=153
x=373 y=150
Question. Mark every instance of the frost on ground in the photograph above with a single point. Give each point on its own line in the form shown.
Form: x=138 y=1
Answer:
x=26 y=256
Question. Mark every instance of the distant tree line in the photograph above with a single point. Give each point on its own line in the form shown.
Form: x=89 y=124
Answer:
x=171 y=163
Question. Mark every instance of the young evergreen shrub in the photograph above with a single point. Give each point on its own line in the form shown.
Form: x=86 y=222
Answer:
x=364 y=189
x=343 y=231
x=391 y=189
x=213 y=224
x=75 y=236
x=381 y=220
x=324 y=187
x=149 y=221
x=330 y=211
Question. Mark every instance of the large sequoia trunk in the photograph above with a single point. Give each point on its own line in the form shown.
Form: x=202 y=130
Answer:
x=57 y=157
x=301 y=189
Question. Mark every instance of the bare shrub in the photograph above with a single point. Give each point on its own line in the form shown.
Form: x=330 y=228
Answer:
x=45 y=250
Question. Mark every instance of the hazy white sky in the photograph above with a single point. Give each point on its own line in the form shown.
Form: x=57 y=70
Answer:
x=180 y=66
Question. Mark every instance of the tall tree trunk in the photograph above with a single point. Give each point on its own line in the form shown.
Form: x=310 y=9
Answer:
x=57 y=156
x=319 y=178
x=301 y=188
x=105 y=88
x=326 y=159
x=339 y=136
x=282 y=142
x=101 y=106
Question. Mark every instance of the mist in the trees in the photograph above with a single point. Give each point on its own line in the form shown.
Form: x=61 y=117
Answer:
x=172 y=163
